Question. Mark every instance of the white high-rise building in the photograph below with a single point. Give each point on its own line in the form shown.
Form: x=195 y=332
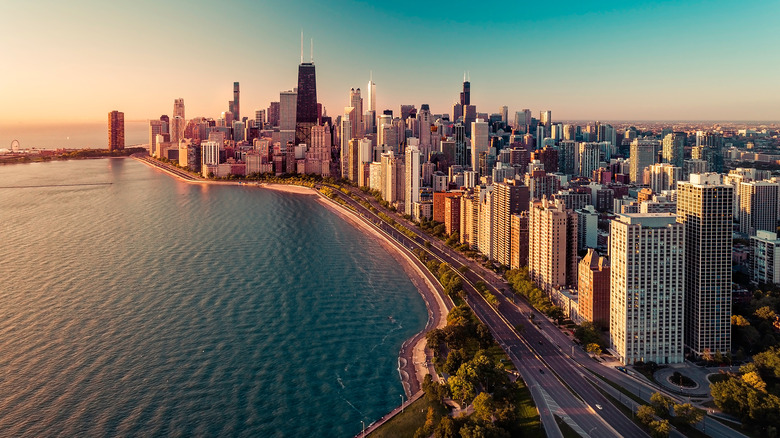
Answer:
x=589 y=158
x=480 y=141
x=646 y=288
x=209 y=153
x=704 y=209
x=642 y=154
x=155 y=129
x=765 y=258
x=346 y=135
x=372 y=95
x=552 y=245
x=663 y=176
x=412 y=186
x=757 y=206
x=288 y=104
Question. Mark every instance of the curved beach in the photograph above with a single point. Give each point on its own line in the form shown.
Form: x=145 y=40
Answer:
x=414 y=362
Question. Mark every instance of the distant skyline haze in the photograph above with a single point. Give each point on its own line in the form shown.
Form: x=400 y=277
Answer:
x=699 y=60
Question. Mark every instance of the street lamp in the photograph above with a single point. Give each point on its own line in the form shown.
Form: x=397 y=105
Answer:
x=592 y=429
x=402 y=402
x=363 y=434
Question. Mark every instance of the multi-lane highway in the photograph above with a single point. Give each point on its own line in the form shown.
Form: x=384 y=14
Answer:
x=559 y=385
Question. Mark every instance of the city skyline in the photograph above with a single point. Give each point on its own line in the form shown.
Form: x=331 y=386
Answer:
x=572 y=59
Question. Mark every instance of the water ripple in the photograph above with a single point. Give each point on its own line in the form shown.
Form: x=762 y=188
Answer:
x=151 y=307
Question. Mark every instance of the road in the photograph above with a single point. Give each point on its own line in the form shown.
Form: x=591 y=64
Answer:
x=540 y=362
x=552 y=350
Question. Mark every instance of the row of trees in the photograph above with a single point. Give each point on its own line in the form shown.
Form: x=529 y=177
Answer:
x=657 y=415
x=475 y=378
x=522 y=284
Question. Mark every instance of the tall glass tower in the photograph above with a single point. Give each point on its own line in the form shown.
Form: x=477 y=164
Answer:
x=306 y=112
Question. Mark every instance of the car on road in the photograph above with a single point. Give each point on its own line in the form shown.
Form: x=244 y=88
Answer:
x=541 y=370
x=598 y=407
x=540 y=342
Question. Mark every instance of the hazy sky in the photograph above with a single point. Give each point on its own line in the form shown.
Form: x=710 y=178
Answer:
x=700 y=60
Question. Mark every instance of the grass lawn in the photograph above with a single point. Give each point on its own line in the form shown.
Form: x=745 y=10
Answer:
x=529 y=416
x=406 y=423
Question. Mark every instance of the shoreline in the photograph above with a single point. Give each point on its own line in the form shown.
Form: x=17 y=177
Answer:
x=414 y=362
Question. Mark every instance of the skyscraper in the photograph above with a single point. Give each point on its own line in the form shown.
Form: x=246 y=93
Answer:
x=306 y=106
x=371 y=94
x=287 y=116
x=646 y=288
x=412 y=186
x=673 y=148
x=642 y=155
x=116 y=131
x=465 y=95
x=355 y=101
x=346 y=135
x=704 y=208
x=545 y=118
x=509 y=198
x=155 y=129
x=552 y=245
x=178 y=107
x=480 y=141
x=593 y=288
x=236 y=107
x=757 y=206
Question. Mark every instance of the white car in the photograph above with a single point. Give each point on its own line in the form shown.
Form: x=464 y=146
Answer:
x=598 y=407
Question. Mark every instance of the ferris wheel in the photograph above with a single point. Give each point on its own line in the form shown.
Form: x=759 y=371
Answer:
x=15 y=146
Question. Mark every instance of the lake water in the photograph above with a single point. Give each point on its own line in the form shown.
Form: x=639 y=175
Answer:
x=147 y=306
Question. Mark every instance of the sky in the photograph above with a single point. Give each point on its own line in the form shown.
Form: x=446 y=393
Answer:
x=73 y=62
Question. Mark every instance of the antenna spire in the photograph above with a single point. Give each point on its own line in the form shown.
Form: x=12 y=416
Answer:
x=301 y=46
x=464 y=75
x=311 y=47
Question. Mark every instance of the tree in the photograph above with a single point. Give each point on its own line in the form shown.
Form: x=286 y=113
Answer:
x=434 y=339
x=484 y=337
x=484 y=407
x=660 y=429
x=587 y=333
x=430 y=422
x=461 y=389
x=446 y=429
x=593 y=348
x=556 y=313
x=770 y=361
x=661 y=404
x=687 y=413
x=754 y=379
x=766 y=313
x=645 y=414
x=455 y=359
x=739 y=321
x=459 y=315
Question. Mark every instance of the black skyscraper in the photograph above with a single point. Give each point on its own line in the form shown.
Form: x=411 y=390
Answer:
x=236 y=107
x=306 y=114
x=465 y=96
